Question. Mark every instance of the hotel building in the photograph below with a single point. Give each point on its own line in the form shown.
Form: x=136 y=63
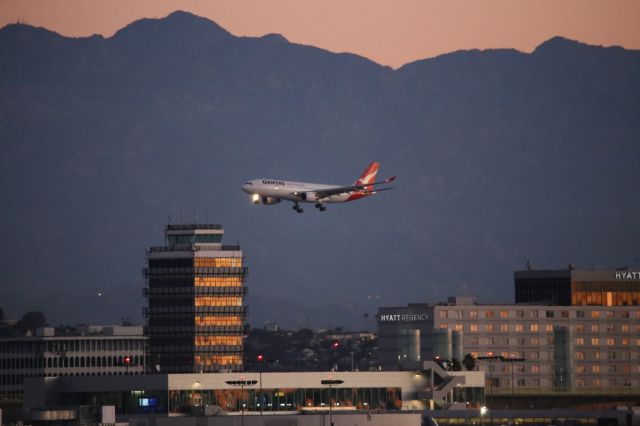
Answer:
x=572 y=332
x=195 y=291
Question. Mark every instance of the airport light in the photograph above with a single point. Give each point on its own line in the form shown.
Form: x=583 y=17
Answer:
x=242 y=383
x=330 y=382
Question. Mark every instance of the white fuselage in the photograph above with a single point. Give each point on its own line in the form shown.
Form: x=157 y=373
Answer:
x=292 y=191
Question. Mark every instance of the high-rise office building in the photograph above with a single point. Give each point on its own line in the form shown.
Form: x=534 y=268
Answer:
x=195 y=291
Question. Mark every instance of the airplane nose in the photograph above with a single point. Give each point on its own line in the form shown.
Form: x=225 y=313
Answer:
x=244 y=188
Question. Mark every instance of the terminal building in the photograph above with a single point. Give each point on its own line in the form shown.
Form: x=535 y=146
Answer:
x=195 y=291
x=82 y=351
x=572 y=332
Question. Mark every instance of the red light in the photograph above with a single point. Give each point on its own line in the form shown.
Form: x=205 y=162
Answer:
x=260 y=358
x=335 y=345
x=127 y=360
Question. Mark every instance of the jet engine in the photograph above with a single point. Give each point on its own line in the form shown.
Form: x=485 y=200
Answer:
x=308 y=196
x=270 y=200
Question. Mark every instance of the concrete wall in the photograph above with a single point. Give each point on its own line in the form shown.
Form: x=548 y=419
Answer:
x=400 y=419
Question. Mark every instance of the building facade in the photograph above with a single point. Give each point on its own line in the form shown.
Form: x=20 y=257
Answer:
x=588 y=348
x=195 y=291
x=181 y=394
x=83 y=351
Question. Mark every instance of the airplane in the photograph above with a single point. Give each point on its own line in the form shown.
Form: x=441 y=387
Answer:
x=272 y=191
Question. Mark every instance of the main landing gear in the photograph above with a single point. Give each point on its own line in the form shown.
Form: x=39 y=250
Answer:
x=321 y=207
x=297 y=208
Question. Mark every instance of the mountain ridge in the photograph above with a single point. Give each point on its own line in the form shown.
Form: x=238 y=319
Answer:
x=501 y=156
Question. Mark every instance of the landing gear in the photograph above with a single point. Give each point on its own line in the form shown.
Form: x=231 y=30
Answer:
x=321 y=207
x=297 y=208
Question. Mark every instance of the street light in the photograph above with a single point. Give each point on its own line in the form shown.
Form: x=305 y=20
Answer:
x=331 y=382
x=260 y=361
x=511 y=359
x=490 y=356
x=242 y=383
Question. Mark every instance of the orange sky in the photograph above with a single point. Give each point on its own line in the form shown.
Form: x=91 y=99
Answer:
x=388 y=32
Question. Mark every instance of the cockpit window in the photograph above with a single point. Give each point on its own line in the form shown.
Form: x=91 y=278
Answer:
x=248 y=183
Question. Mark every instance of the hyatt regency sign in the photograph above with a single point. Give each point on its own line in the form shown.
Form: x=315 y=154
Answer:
x=625 y=275
x=403 y=317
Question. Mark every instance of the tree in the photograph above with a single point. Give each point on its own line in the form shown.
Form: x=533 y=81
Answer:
x=455 y=365
x=30 y=321
x=469 y=362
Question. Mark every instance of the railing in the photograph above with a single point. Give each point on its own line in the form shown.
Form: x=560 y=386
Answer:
x=193 y=247
x=188 y=227
x=167 y=292
x=196 y=271
x=191 y=310
x=574 y=391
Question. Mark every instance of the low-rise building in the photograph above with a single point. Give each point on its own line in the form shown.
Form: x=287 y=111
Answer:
x=82 y=351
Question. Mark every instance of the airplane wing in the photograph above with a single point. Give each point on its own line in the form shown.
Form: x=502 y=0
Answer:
x=328 y=192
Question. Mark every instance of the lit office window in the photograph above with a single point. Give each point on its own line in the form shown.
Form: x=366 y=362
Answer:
x=549 y=328
x=595 y=314
x=579 y=341
x=611 y=341
x=595 y=368
x=504 y=314
x=534 y=328
x=488 y=328
x=624 y=328
x=519 y=328
x=504 y=328
x=595 y=328
x=595 y=341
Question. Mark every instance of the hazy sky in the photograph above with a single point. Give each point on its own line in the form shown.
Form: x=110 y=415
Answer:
x=390 y=33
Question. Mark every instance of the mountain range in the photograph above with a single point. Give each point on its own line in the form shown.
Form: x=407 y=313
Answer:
x=501 y=157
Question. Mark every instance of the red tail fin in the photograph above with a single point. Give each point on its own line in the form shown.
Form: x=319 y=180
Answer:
x=368 y=176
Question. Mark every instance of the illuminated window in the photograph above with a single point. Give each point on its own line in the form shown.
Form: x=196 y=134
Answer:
x=580 y=355
x=595 y=368
x=217 y=359
x=488 y=327
x=488 y=314
x=594 y=328
x=580 y=368
x=610 y=341
x=596 y=355
x=580 y=328
x=579 y=341
x=218 y=262
x=534 y=328
x=217 y=320
x=443 y=314
x=504 y=327
x=535 y=340
x=473 y=314
x=504 y=314
x=596 y=382
x=444 y=325
x=624 y=328
x=533 y=314
x=595 y=314
x=473 y=328
x=595 y=341
x=535 y=368
x=218 y=301
x=218 y=340
x=218 y=281
x=519 y=328
x=549 y=328
x=458 y=327
x=624 y=341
